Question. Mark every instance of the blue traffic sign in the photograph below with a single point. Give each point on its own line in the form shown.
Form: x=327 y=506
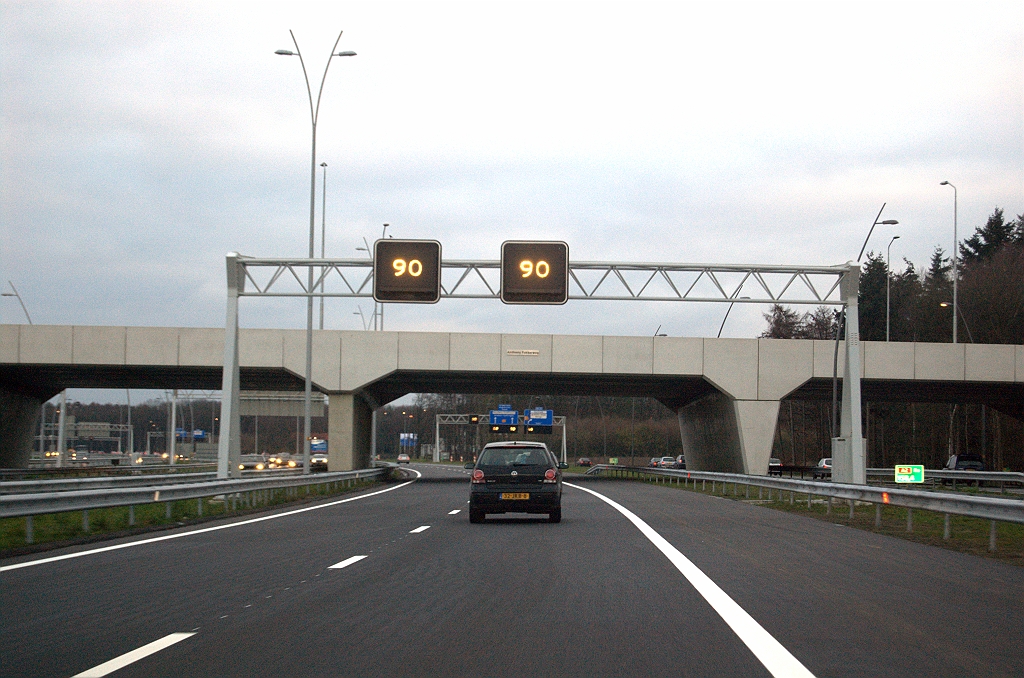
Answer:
x=539 y=417
x=504 y=418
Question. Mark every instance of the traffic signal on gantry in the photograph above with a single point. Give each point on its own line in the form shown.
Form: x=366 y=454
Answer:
x=407 y=271
x=534 y=272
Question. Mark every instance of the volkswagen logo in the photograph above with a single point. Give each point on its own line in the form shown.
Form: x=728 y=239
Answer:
x=515 y=473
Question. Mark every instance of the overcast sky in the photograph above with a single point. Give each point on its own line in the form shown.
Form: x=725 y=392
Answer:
x=140 y=142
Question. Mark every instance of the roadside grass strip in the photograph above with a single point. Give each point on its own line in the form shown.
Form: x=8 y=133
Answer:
x=965 y=534
x=117 y=663
x=189 y=533
x=770 y=652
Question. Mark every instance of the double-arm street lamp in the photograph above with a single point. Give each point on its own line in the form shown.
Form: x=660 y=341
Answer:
x=956 y=244
x=314 y=112
x=888 y=277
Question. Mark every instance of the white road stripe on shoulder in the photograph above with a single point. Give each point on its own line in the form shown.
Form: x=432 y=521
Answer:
x=421 y=528
x=452 y=513
x=770 y=652
x=346 y=562
x=106 y=668
x=178 y=535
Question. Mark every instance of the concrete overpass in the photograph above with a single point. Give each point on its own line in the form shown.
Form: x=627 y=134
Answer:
x=725 y=391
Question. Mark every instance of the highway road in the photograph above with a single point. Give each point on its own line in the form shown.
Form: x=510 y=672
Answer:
x=674 y=584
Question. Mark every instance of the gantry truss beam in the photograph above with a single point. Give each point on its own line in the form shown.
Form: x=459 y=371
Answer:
x=594 y=280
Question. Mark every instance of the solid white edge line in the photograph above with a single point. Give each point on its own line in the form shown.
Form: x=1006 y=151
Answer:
x=421 y=528
x=346 y=562
x=106 y=668
x=67 y=556
x=770 y=652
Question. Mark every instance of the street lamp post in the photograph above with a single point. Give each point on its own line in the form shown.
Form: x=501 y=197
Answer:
x=727 y=311
x=323 y=232
x=887 y=222
x=888 y=276
x=956 y=244
x=314 y=112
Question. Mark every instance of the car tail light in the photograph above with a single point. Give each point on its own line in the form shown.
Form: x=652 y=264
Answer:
x=550 y=474
x=478 y=476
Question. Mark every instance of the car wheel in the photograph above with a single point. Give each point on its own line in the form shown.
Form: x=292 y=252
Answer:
x=555 y=516
x=476 y=516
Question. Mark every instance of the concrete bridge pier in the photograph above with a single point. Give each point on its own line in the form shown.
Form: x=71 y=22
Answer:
x=723 y=434
x=19 y=419
x=349 y=427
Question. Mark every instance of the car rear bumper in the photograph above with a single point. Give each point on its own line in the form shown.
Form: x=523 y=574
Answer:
x=540 y=501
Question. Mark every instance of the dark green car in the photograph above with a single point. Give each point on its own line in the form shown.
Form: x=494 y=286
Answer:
x=516 y=477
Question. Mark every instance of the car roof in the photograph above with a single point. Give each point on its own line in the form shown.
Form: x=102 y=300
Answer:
x=516 y=443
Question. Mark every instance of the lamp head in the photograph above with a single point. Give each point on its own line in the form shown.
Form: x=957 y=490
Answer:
x=943 y=183
x=889 y=222
x=285 y=52
x=348 y=53
x=323 y=164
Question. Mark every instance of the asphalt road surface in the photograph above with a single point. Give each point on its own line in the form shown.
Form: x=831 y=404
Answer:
x=674 y=584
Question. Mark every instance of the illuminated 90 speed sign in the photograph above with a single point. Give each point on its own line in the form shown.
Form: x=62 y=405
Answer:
x=407 y=271
x=534 y=272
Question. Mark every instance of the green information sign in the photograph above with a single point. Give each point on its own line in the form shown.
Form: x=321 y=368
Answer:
x=910 y=473
x=613 y=461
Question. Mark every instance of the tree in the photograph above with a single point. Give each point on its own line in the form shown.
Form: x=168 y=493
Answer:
x=783 y=323
x=871 y=298
x=988 y=239
x=821 y=323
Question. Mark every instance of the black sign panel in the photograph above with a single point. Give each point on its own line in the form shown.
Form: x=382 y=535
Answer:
x=534 y=272
x=407 y=271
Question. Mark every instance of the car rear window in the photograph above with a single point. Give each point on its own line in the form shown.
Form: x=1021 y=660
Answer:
x=514 y=456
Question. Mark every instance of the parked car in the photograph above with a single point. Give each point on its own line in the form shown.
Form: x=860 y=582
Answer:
x=823 y=469
x=318 y=463
x=965 y=462
x=516 y=477
x=584 y=461
x=775 y=466
x=403 y=458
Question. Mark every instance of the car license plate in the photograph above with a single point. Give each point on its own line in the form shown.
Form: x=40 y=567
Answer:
x=515 y=495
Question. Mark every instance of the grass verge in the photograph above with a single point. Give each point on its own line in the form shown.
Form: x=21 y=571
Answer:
x=56 y=530
x=967 y=535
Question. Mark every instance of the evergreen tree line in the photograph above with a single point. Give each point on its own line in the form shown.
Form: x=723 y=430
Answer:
x=990 y=298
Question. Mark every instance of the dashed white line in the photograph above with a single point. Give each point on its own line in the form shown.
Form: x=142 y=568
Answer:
x=421 y=528
x=106 y=668
x=178 y=535
x=770 y=652
x=346 y=562
x=452 y=513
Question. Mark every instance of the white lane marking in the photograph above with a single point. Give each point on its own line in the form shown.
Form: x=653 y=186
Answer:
x=346 y=562
x=106 y=668
x=421 y=528
x=152 y=540
x=769 y=651
x=452 y=513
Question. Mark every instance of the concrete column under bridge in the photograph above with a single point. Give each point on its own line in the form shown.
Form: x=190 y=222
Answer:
x=732 y=428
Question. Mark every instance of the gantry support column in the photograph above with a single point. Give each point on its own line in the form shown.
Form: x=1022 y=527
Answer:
x=349 y=431
x=849 y=463
x=229 y=448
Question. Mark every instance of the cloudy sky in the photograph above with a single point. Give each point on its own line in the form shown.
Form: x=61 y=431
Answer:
x=140 y=142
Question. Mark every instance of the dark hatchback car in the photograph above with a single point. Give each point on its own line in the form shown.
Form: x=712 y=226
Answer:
x=516 y=477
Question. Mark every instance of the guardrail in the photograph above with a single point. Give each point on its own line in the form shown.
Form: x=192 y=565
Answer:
x=98 y=471
x=986 y=508
x=95 y=483
x=250 y=491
